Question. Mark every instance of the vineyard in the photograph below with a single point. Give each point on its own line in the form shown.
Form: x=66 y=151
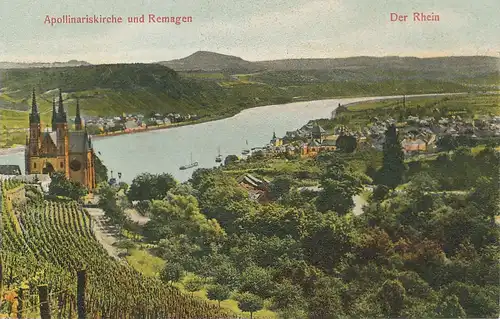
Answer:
x=45 y=244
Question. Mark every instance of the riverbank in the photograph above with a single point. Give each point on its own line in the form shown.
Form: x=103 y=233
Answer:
x=20 y=148
x=407 y=97
x=158 y=127
x=12 y=150
x=212 y=119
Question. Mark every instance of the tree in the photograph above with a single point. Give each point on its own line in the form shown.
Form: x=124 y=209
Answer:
x=450 y=308
x=328 y=240
x=339 y=185
x=380 y=192
x=148 y=186
x=325 y=300
x=61 y=186
x=172 y=272
x=143 y=207
x=123 y=186
x=393 y=166
x=258 y=281
x=180 y=215
x=250 y=303
x=280 y=186
x=101 y=171
x=226 y=274
x=286 y=295
x=346 y=143
x=420 y=190
x=392 y=295
x=179 y=249
x=193 y=284
x=184 y=189
x=486 y=196
x=230 y=159
x=259 y=155
x=107 y=202
x=218 y=292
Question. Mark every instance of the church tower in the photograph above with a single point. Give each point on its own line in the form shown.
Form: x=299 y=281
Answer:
x=34 y=140
x=54 y=115
x=62 y=138
x=78 y=119
x=35 y=128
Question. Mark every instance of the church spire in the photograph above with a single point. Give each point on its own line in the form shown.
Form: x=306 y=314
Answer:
x=78 y=119
x=61 y=115
x=34 y=115
x=54 y=114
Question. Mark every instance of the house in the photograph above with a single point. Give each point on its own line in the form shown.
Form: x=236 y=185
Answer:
x=40 y=179
x=328 y=145
x=290 y=149
x=411 y=145
x=276 y=141
x=257 y=188
x=130 y=126
x=317 y=132
x=310 y=149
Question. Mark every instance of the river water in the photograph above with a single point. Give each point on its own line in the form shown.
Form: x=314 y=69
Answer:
x=166 y=150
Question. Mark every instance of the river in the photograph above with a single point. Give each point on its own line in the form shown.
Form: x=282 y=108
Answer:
x=166 y=150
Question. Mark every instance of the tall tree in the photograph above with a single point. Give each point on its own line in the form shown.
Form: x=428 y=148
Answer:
x=101 y=171
x=393 y=166
x=61 y=186
x=250 y=303
x=280 y=186
x=171 y=273
x=346 y=143
x=339 y=185
x=218 y=292
x=148 y=186
x=107 y=202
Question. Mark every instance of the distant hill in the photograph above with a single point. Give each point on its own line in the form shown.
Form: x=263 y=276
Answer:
x=111 y=89
x=18 y=65
x=211 y=62
x=352 y=68
x=213 y=85
x=469 y=62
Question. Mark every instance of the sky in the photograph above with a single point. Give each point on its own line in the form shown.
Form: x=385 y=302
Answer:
x=254 y=30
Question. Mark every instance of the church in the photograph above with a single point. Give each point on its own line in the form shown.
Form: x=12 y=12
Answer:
x=60 y=150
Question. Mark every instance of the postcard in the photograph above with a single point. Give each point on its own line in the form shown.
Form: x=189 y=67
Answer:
x=249 y=159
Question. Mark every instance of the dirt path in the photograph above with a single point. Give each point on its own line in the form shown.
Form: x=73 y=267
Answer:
x=104 y=234
x=136 y=217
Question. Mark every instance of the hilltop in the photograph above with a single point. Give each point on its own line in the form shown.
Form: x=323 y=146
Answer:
x=211 y=61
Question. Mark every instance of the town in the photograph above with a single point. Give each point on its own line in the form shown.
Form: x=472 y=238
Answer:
x=129 y=123
x=424 y=135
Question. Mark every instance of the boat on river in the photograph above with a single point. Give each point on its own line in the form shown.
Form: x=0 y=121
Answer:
x=190 y=165
x=218 y=159
x=246 y=151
